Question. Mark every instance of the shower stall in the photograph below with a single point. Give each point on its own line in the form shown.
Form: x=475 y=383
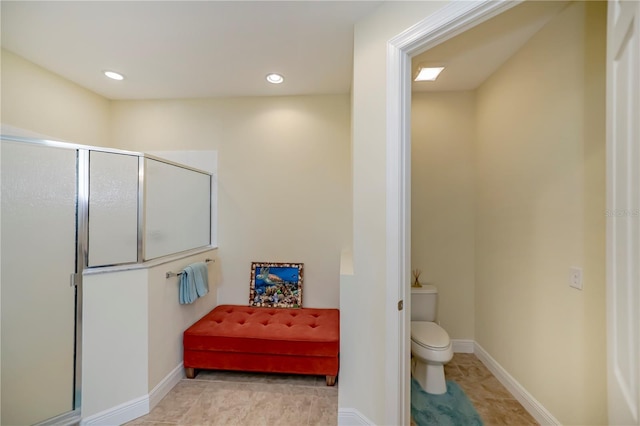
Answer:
x=65 y=209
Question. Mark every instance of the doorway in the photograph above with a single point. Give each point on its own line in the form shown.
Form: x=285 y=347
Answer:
x=458 y=20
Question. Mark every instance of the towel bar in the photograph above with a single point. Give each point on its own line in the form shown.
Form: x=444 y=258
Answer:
x=174 y=274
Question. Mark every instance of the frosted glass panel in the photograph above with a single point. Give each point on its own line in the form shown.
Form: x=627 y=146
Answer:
x=178 y=203
x=113 y=208
x=207 y=161
x=38 y=304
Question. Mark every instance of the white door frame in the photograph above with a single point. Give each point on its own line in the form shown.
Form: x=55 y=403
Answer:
x=446 y=23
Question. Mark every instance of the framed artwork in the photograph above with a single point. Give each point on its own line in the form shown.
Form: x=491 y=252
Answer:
x=276 y=285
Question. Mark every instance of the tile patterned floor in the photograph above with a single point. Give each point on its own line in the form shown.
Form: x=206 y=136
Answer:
x=227 y=398
x=493 y=402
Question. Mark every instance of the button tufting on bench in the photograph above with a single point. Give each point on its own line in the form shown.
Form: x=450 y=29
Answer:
x=220 y=340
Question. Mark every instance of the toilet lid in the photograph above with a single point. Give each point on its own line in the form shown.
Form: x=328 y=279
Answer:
x=429 y=334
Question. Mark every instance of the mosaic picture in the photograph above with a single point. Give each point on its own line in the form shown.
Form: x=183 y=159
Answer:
x=276 y=285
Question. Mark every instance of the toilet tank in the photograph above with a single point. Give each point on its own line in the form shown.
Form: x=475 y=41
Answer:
x=424 y=303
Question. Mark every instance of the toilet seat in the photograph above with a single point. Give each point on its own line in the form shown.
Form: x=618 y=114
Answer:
x=430 y=335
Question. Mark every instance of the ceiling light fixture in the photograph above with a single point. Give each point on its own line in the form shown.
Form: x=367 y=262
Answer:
x=428 y=73
x=114 y=75
x=275 y=78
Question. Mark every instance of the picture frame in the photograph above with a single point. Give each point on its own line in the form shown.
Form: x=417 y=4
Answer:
x=276 y=284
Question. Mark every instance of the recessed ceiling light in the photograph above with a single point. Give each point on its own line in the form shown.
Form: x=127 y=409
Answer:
x=428 y=73
x=114 y=75
x=275 y=78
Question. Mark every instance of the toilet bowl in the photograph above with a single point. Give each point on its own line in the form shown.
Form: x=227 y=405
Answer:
x=430 y=349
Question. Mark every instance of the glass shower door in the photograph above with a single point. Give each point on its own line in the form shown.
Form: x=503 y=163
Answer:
x=38 y=304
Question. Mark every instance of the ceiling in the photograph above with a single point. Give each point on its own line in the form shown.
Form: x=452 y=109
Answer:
x=189 y=49
x=200 y=49
x=471 y=57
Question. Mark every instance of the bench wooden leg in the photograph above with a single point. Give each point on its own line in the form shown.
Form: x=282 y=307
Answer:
x=191 y=372
x=331 y=380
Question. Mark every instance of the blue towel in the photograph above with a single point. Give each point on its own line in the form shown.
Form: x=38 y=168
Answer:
x=187 y=286
x=201 y=273
x=194 y=282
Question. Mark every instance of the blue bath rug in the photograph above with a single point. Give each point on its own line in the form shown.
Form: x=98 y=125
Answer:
x=449 y=409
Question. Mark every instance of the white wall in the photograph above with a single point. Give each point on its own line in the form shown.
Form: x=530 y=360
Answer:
x=362 y=352
x=115 y=350
x=540 y=211
x=283 y=179
x=443 y=176
x=132 y=331
x=44 y=103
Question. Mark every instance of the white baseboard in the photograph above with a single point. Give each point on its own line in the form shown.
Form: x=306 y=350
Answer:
x=165 y=385
x=462 y=346
x=529 y=403
x=346 y=416
x=138 y=407
x=120 y=414
x=352 y=417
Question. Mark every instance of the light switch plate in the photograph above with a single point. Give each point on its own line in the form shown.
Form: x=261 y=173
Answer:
x=575 y=277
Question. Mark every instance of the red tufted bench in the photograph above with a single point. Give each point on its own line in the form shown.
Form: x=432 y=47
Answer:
x=270 y=340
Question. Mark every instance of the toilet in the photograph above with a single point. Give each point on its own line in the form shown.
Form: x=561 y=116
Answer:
x=431 y=346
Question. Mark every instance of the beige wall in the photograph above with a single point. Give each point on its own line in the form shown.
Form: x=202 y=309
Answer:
x=540 y=201
x=443 y=135
x=540 y=211
x=44 y=103
x=284 y=195
x=168 y=319
x=283 y=179
x=362 y=352
x=284 y=176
